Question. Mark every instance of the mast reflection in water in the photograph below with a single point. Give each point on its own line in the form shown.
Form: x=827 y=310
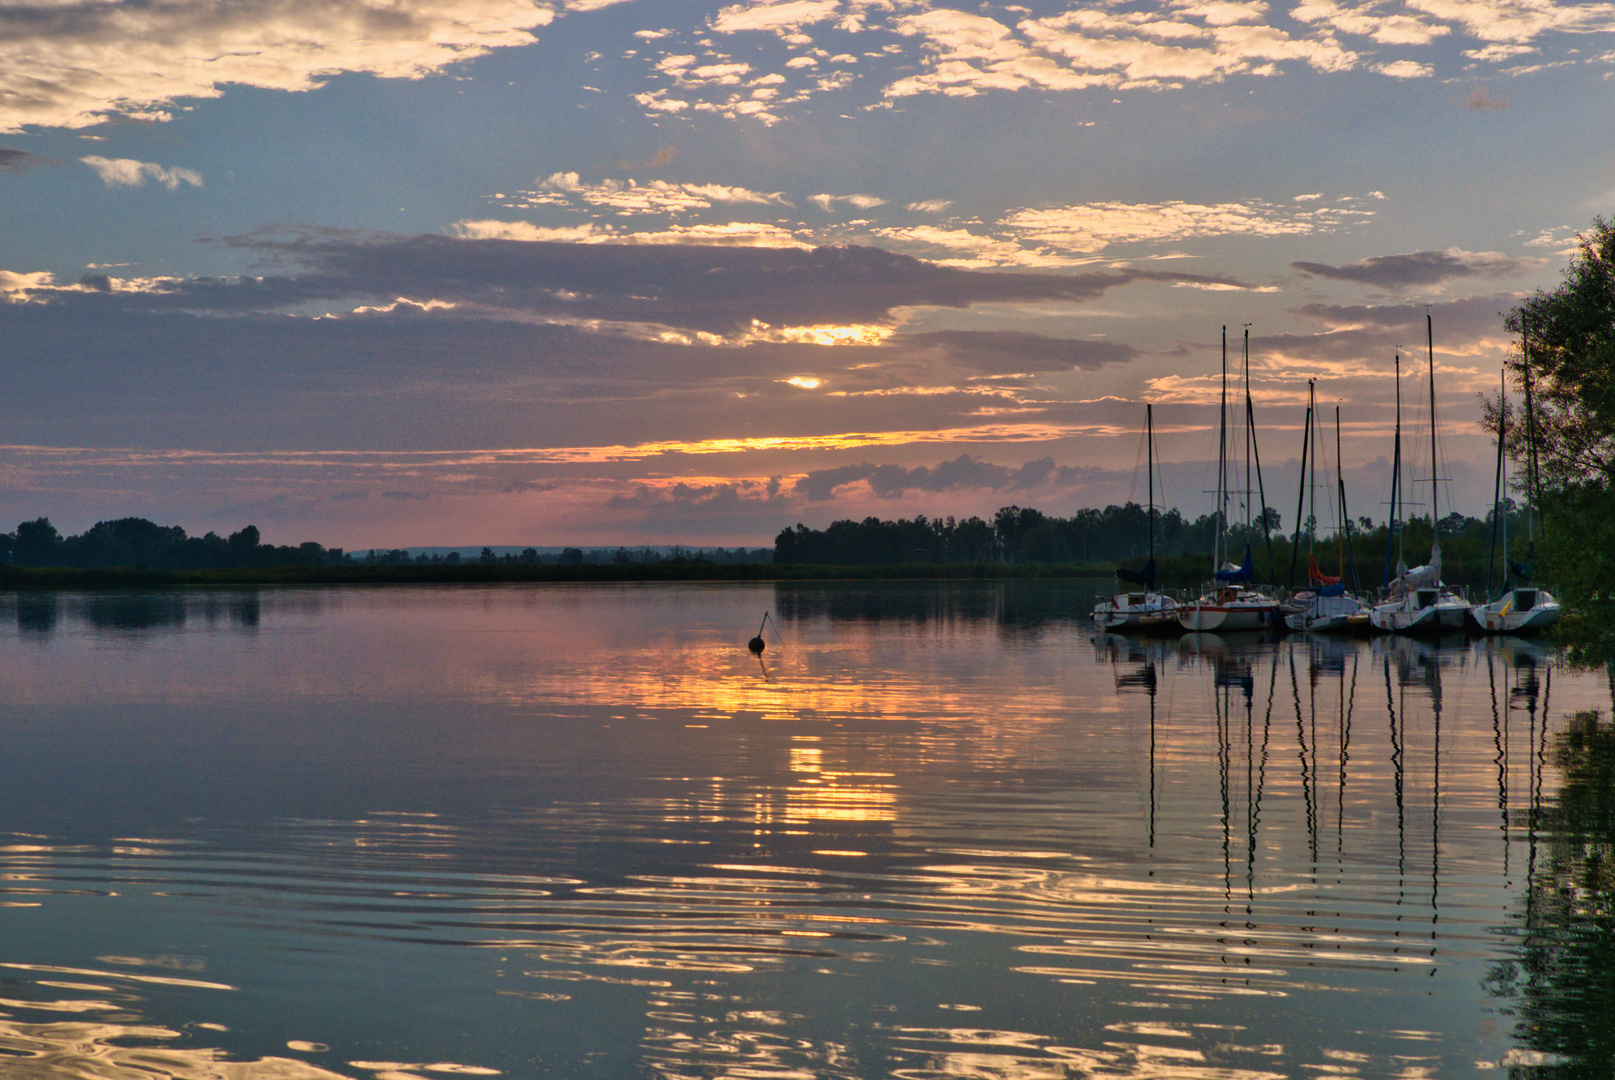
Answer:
x=943 y=831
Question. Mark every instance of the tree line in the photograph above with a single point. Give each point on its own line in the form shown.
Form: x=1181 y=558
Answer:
x=677 y=555
x=1015 y=534
x=1119 y=535
x=137 y=542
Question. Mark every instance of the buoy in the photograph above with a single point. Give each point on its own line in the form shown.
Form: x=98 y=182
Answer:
x=757 y=644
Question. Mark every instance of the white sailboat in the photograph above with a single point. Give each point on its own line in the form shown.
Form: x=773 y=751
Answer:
x=1521 y=608
x=1325 y=606
x=1143 y=609
x=1231 y=603
x=1417 y=601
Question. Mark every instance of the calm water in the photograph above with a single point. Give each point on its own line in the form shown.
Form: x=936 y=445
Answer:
x=939 y=831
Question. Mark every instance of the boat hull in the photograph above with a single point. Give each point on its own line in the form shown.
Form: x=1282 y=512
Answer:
x=1329 y=615
x=1202 y=617
x=1519 y=611
x=1137 y=613
x=1447 y=615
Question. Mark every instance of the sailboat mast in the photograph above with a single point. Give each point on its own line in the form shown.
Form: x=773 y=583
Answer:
x=1530 y=440
x=1149 y=450
x=1396 y=480
x=1249 y=434
x=1222 y=459
x=1256 y=459
x=1345 y=514
x=1301 y=493
x=1499 y=498
x=1312 y=469
x=1430 y=342
x=1502 y=473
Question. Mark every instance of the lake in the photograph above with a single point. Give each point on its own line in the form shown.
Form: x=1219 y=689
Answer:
x=937 y=830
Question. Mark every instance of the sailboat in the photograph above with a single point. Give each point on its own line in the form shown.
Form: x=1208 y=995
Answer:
x=1231 y=603
x=1142 y=609
x=1521 y=608
x=1417 y=601
x=1325 y=606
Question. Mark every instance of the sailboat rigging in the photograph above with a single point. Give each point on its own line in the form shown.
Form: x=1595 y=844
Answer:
x=1230 y=602
x=1145 y=608
x=1417 y=601
x=1325 y=606
x=1521 y=608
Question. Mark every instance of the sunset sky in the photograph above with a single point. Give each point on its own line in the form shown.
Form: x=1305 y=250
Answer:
x=408 y=272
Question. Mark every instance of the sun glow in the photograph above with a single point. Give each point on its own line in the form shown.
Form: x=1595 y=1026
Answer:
x=824 y=334
x=804 y=382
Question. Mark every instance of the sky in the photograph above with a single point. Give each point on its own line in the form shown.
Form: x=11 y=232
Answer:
x=415 y=272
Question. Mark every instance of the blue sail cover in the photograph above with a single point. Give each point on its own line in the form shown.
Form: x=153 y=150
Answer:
x=1144 y=577
x=1521 y=570
x=1337 y=589
x=1241 y=573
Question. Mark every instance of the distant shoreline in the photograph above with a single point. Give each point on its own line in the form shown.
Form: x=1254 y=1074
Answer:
x=13 y=578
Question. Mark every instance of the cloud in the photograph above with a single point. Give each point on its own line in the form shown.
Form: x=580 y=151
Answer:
x=962 y=248
x=1153 y=45
x=1519 y=21
x=828 y=203
x=962 y=473
x=1420 y=268
x=75 y=63
x=1370 y=21
x=996 y=352
x=13 y=160
x=127 y=172
x=523 y=230
x=929 y=206
x=721 y=85
x=783 y=17
x=1367 y=335
x=1406 y=69
x=969 y=54
x=19 y=287
x=629 y=197
x=1498 y=52
x=1481 y=98
x=699 y=287
x=1093 y=227
x=704 y=508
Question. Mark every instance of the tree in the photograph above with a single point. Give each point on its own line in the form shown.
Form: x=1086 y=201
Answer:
x=245 y=541
x=1566 y=446
x=37 y=543
x=1568 y=368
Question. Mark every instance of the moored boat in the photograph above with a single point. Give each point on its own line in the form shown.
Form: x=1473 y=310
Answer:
x=1231 y=608
x=1329 y=609
x=1231 y=602
x=1140 y=610
x=1521 y=608
x=1325 y=606
x=1417 y=601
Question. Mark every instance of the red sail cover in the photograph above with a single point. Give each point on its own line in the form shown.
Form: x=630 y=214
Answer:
x=1318 y=577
